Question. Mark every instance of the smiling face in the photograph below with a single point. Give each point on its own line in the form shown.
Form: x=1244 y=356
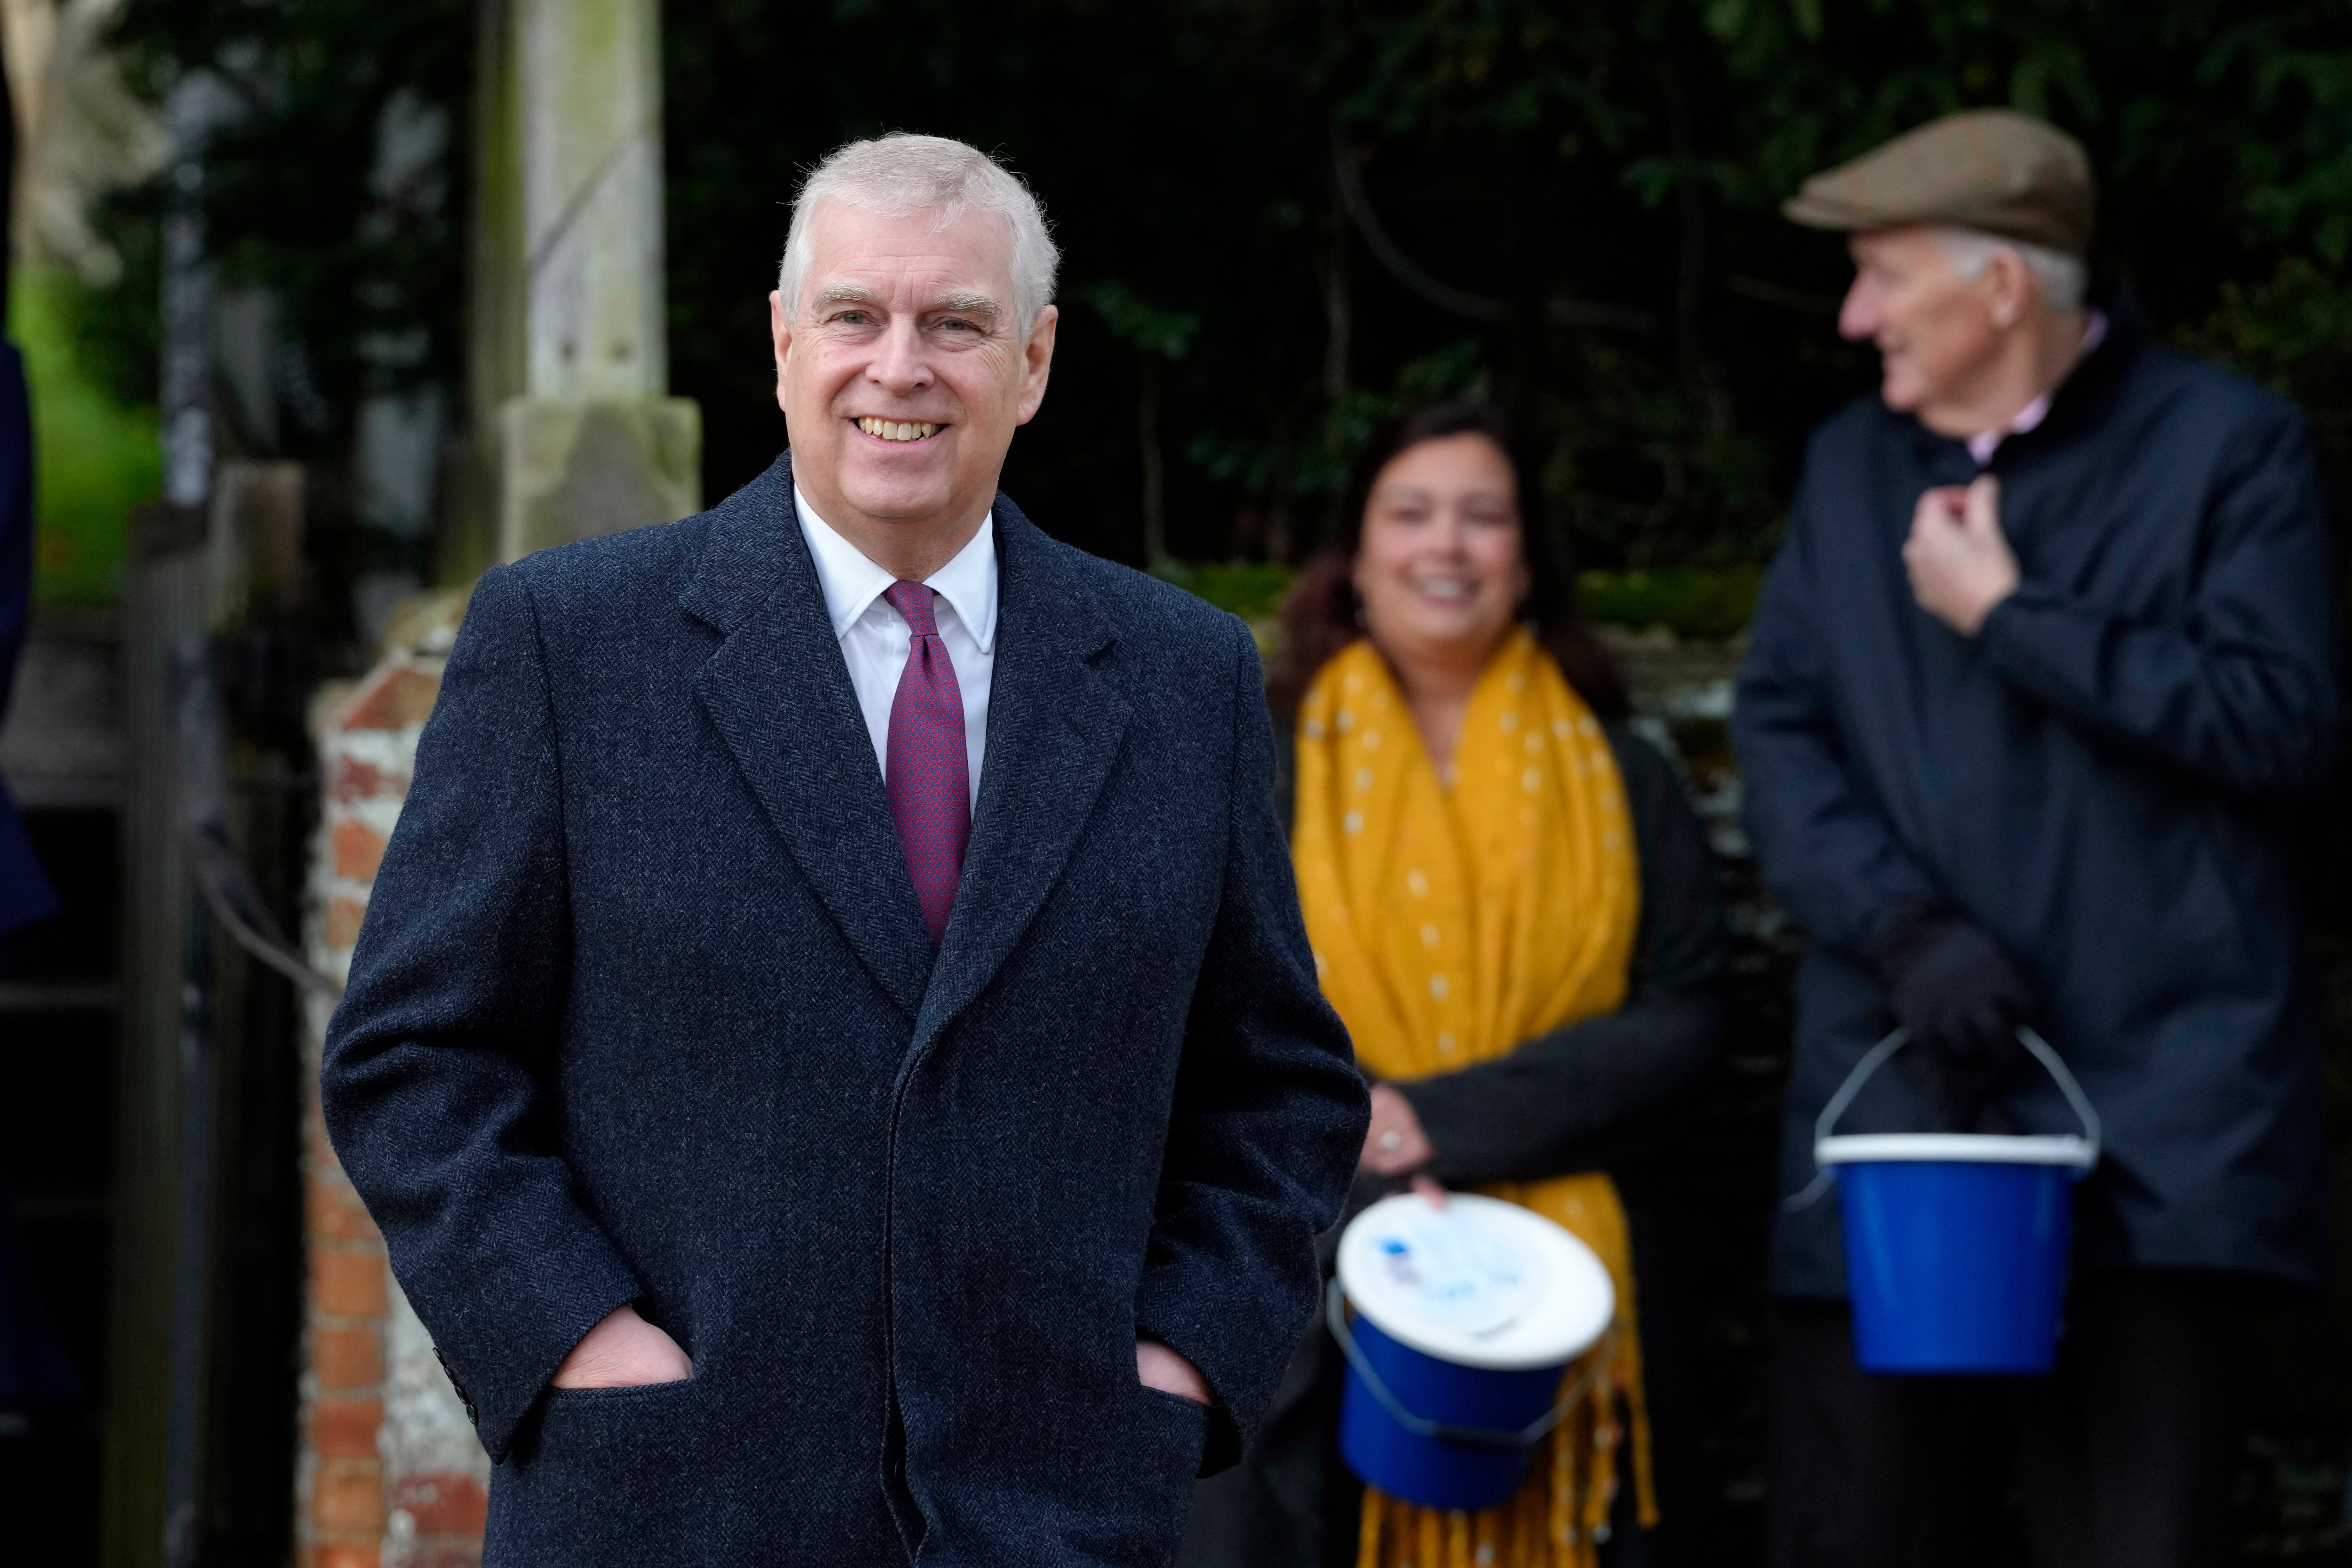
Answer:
x=1936 y=332
x=903 y=372
x=1439 y=568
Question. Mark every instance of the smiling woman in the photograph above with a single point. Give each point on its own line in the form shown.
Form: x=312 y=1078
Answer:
x=1324 y=611
x=1512 y=909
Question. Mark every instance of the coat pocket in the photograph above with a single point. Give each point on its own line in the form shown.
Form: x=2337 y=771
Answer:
x=1173 y=1433
x=1183 y=1424
x=611 y=1476
x=1125 y=1487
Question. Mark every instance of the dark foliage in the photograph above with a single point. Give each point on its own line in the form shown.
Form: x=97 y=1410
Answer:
x=334 y=186
x=1525 y=152
x=1628 y=155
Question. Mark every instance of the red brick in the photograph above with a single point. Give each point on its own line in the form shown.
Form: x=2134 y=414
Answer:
x=335 y=1212
x=347 y=1358
x=355 y=781
x=395 y=699
x=344 y=917
x=315 y=1142
x=348 y=1284
x=358 y=850
x=443 y=1502
x=343 y=1554
x=445 y=1551
x=348 y=1494
x=345 y=1428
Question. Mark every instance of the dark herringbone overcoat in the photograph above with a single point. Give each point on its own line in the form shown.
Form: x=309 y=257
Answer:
x=643 y=1010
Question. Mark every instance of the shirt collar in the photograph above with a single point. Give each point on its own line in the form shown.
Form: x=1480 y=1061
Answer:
x=969 y=583
x=852 y=581
x=1982 y=446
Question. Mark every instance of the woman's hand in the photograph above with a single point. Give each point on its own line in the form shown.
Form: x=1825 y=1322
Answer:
x=1395 y=1143
x=623 y=1351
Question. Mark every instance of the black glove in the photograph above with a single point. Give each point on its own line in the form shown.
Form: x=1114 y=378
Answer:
x=1963 y=998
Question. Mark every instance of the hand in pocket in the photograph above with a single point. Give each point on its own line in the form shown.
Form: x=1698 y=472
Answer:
x=1158 y=1366
x=623 y=1351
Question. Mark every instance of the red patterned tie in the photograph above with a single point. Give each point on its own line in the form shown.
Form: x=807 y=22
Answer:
x=927 y=777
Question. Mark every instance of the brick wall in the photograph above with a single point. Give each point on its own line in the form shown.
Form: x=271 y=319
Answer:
x=390 y=1474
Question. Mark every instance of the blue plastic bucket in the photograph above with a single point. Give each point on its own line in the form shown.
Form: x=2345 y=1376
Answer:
x=1466 y=1321
x=1955 y=1243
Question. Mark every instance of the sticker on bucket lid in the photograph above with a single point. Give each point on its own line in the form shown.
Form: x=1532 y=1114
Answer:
x=1452 y=1270
x=1565 y=1298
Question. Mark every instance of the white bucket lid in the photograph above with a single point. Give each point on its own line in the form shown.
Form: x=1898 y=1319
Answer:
x=1479 y=1283
x=1967 y=1148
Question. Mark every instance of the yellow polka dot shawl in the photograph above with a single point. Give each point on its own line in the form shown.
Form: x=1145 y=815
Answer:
x=1452 y=919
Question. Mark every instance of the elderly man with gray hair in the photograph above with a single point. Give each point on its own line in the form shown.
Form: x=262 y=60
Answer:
x=2048 y=641
x=833 y=1051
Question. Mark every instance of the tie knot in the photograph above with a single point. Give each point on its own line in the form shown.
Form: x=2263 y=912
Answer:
x=913 y=600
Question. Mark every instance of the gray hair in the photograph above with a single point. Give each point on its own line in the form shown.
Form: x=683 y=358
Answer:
x=900 y=174
x=2063 y=278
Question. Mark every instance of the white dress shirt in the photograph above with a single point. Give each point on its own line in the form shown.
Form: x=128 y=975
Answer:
x=874 y=638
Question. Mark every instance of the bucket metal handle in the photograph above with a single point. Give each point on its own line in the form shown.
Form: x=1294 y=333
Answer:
x=1875 y=1057
x=1336 y=1312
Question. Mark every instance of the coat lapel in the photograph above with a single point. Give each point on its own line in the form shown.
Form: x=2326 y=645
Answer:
x=1055 y=725
x=778 y=691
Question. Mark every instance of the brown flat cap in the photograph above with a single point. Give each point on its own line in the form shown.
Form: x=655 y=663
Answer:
x=1993 y=170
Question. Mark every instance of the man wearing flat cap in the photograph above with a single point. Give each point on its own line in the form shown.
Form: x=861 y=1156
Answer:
x=2048 y=641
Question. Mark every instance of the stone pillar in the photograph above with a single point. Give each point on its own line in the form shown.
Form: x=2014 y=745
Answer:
x=570 y=374
x=589 y=102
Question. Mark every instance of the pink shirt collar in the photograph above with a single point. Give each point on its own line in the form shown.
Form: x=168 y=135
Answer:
x=1982 y=447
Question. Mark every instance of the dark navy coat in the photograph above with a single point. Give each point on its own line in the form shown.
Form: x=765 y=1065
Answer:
x=2096 y=777
x=643 y=1010
x=24 y=892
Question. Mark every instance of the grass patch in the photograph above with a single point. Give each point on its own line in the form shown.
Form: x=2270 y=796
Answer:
x=1249 y=589
x=93 y=459
x=1709 y=604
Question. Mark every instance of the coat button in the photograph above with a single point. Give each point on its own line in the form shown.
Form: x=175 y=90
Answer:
x=463 y=1398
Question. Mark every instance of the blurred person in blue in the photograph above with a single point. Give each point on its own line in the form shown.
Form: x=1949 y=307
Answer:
x=2048 y=642
x=24 y=892
x=32 y=1367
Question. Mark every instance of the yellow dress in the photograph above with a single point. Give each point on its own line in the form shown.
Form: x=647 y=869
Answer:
x=1451 y=919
